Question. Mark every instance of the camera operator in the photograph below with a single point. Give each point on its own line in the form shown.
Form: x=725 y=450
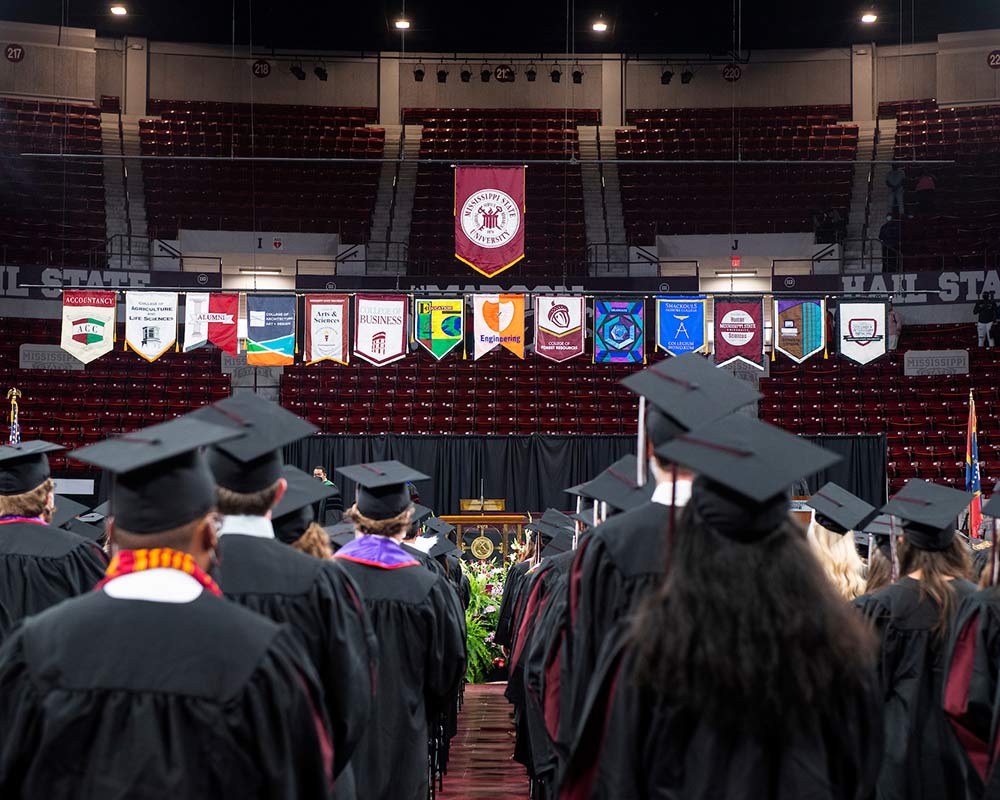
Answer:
x=986 y=315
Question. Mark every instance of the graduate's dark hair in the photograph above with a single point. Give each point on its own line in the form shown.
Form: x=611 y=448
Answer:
x=749 y=636
x=31 y=503
x=379 y=527
x=936 y=567
x=252 y=504
x=879 y=572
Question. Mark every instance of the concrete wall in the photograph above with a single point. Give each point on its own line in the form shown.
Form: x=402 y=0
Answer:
x=908 y=72
x=110 y=68
x=54 y=66
x=963 y=75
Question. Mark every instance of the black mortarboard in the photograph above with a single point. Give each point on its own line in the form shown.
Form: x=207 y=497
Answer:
x=546 y=531
x=253 y=461
x=103 y=510
x=439 y=526
x=294 y=512
x=586 y=517
x=161 y=479
x=66 y=510
x=615 y=486
x=840 y=511
x=442 y=547
x=555 y=517
x=929 y=512
x=24 y=466
x=382 y=489
x=341 y=533
x=562 y=542
x=991 y=508
x=420 y=513
x=690 y=391
x=93 y=532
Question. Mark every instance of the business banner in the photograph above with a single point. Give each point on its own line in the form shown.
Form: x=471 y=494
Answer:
x=211 y=318
x=739 y=331
x=380 y=327
x=150 y=322
x=799 y=327
x=88 y=324
x=619 y=331
x=271 y=329
x=327 y=318
x=439 y=324
x=489 y=217
x=559 y=327
x=682 y=325
x=862 y=329
x=498 y=321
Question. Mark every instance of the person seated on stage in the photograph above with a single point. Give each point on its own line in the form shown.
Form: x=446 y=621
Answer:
x=838 y=513
x=40 y=565
x=330 y=509
x=154 y=685
x=421 y=634
x=294 y=522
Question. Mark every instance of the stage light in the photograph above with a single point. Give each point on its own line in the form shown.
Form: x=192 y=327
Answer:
x=531 y=73
x=465 y=75
x=442 y=75
x=297 y=71
x=485 y=73
x=600 y=26
x=321 y=73
x=666 y=76
x=402 y=24
x=687 y=76
x=869 y=17
x=418 y=73
x=119 y=10
x=556 y=74
x=578 y=75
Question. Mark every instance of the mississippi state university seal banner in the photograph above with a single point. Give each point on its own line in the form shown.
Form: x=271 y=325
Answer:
x=489 y=217
x=271 y=329
x=150 y=322
x=799 y=327
x=619 y=331
x=558 y=327
x=88 y=324
x=498 y=321
x=739 y=331
x=380 y=328
x=211 y=318
x=439 y=324
x=682 y=325
x=326 y=328
x=862 y=328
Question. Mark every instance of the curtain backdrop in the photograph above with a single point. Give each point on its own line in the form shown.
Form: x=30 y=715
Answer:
x=530 y=472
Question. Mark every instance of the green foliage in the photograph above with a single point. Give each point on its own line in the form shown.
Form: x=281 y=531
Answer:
x=486 y=590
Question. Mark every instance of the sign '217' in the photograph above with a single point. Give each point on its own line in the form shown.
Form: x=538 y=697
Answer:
x=14 y=53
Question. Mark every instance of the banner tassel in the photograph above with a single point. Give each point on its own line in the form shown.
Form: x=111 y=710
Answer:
x=826 y=330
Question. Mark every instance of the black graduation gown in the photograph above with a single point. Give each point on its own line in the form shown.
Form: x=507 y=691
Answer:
x=421 y=634
x=424 y=558
x=922 y=757
x=41 y=566
x=322 y=604
x=109 y=699
x=511 y=589
x=632 y=743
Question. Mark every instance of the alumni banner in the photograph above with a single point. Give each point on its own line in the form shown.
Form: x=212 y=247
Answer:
x=88 y=324
x=619 y=331
x=862 y=329
x=682 y=325
x=271 y=329
x=559 y=327
x=211 y=318
x=799 y=327
x=739 y=331
x=489 y=217
x=439 y=324
x=498 y=321
x=380 y=328
x=150 y=322
x=326 y=328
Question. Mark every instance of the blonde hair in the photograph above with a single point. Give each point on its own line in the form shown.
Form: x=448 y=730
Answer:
x=314 y=542
x=839 y=558
x=32 y=503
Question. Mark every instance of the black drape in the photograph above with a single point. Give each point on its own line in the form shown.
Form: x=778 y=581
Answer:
x=863 y=468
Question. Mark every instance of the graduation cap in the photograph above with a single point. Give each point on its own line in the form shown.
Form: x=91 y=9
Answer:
x=103 y=510
x=342 y=533
x=252 y=461
x=555 y=517
x=991 y=508
x=93 y=532
x=586 y=516
x=616 y=486
x=562 y=542
x=382 y=487
x=546 y=531
x=294 y=512
x=420 y=513
x=689 y=392
x=840 y=511
x=161 y=479
x=438 y=526
x=442 y=547
x=66 y=510
x=24 y=466
x=929 y=512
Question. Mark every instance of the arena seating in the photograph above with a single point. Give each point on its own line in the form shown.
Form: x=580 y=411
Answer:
x=556 y=240
x=51 y=212
x=892 y=108
x=221 y=195
x=923 y=418
x=705 y=199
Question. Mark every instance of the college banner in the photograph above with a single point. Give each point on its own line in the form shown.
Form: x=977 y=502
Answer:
x=862 y=330
x=498 y=320
x=559 y=327
x=380 y=328
x=88 y=324
x=271 y=329
x=739 y=331
x=619 y=331
x=799 y=327
x=489 y=217
x=439 y=324
x=150 y=322
x=682 y=325
x=211 y=318
x=327 y=318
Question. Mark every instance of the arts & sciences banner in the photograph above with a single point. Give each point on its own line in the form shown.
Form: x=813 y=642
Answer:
x=739 y=331
x=799 y=327
x=326 y=328
x=559 y=327
x=862 y=330
x=150 y=322
x=271 y=329
x=498 y=321
x=88 y=324
x=489 y=217
x=619 y=331
x=439 y=324
x=682 y=325
x=380 y=327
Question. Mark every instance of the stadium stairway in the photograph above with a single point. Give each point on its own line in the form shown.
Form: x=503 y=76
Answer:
x=859 y=196
x=602 y=202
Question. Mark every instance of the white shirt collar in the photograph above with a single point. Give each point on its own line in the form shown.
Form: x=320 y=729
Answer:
x=155 y=585
x=664 y=492
x=246 y=525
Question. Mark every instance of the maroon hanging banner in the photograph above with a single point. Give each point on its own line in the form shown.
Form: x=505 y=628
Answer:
x=739 y=331
x=489 y=217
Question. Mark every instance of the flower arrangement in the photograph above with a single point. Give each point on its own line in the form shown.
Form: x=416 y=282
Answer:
x=486 y=579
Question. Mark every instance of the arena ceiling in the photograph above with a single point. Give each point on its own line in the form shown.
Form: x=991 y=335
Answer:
x=517 y=26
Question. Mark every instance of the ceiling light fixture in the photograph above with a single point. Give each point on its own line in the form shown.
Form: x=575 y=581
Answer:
x=531 y=73
x=260 y=271
x=869 y=17
x=119 y=10
x=402 y=24
x=418 y=73
x=321 y=73
x=442 y=74
x=556 y=73
x=666 y=76
x=728 y=273
x=297 y=71
x=578 y=75
x=466 y=74
x=600 y=26
x=485 y=73
x=687 y=76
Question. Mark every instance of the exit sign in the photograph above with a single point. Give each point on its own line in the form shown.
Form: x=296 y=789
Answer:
x=734 y=261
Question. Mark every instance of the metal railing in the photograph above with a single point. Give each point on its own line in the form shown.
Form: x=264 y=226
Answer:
x=638 y=261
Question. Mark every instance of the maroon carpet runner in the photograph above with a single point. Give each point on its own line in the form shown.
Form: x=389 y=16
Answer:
x=481 y=764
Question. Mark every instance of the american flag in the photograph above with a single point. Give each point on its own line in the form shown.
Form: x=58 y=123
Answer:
x=15 y=424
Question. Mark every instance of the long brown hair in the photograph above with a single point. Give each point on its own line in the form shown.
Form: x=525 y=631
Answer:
x=879 y=572
x=936 y=566
x=314 y=542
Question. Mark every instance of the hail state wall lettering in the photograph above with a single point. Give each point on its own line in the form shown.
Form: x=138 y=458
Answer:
x=47 y=283
x=927 y=288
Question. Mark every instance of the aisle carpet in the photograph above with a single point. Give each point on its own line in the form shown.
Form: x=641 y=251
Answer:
x=481 y=765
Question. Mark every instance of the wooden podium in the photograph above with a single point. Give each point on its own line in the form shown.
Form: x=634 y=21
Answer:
x=471 y=528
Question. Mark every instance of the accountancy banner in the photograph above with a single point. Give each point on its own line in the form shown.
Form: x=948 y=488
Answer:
x=619 y=331
x=380 y=327
x=439 y=324
x=682 y=325
x=559 y=327
x=271 y=320
x=799 y=327
x=862 y=328
x=88 y=324
x=498 y=321
x=150 y=322
x=739 y=331
x=326 y=328
x=489 y=217
x=211 y=318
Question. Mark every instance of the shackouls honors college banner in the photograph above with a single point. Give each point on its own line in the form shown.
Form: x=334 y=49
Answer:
x=439 y=324
x=498 y=321
x=326 y=328
x=682 y=325
x=489 y=217
x=739 y=331
x=380 y=329
x=271 y=329
x=150 y=322
x=559 y=327
x=88 y=324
